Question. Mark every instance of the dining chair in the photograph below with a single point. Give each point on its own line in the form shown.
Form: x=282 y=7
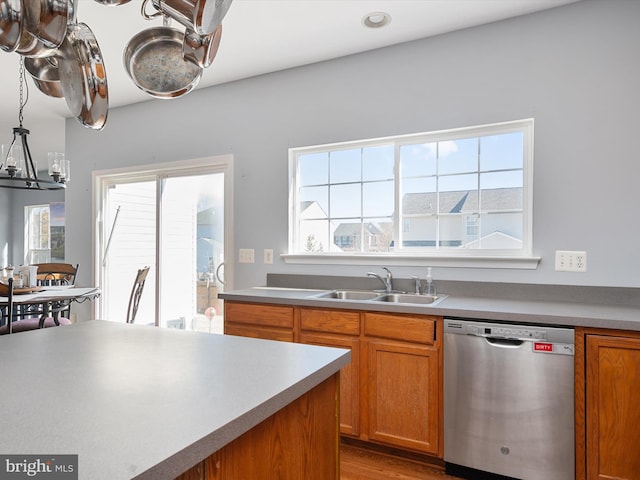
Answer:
x=56 y=273
x=15 y=325
x=136 y=293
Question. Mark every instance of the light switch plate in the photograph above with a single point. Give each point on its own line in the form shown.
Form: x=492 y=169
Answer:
x=246 y=255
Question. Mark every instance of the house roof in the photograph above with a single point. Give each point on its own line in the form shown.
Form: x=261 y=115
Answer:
x=353 y=229
x=463 y=201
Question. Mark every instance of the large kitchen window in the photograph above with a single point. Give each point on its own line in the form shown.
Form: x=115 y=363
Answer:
x=455 y=194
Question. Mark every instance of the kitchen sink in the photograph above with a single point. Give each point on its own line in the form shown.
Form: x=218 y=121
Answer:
x=410 y=298
x=396 y=297
x=350 y=295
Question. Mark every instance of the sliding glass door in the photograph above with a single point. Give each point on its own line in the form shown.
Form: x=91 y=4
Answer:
x=176 y=221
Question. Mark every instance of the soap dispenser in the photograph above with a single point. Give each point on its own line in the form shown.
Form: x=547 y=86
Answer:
x=430 y=289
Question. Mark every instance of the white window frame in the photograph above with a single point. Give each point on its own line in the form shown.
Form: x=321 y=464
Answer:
x=520 y=259
x=101 y=179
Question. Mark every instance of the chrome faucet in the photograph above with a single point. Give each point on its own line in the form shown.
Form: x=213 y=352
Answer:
x=387 y=281
x=417 y=284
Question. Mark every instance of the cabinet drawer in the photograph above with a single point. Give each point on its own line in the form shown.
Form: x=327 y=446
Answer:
x=257 y=314
x=256 y=331
x=330 y=321
x=401 y=327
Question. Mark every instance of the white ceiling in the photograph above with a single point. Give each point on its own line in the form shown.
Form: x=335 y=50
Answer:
x=261 y=36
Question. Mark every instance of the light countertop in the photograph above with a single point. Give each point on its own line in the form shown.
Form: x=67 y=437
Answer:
x=546 y=312
x=143 y=402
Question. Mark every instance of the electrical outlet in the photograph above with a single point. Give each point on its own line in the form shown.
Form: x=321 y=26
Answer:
x=246 y=255
x=571 y=261
x=268 y=256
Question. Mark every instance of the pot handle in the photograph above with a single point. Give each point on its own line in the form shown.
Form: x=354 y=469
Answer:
x=145 y=15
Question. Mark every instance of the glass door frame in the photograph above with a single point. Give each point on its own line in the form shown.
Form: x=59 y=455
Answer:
x=102 y=179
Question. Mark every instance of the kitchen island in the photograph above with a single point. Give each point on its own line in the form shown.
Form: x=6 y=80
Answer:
x=142 y=402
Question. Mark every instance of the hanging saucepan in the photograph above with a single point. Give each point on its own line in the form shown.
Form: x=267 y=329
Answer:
x=11 y=19
x=153 y=59
x=113 y=2
x=201 y=49
x=47 y=20
x=30 y=46
x=45 y=74
x=83 y=76
x=202 y=16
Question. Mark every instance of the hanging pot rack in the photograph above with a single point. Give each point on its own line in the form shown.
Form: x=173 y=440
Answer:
x=47 y=33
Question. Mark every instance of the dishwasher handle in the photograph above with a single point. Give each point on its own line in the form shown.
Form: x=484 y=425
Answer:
x=504 y=342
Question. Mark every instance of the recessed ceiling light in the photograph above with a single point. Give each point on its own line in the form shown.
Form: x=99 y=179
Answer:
x=376 y=19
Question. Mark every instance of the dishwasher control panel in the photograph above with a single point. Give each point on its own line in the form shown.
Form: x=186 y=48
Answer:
x=513 y=333
x=532 y=333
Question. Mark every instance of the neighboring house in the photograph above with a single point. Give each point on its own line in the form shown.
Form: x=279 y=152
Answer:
x=368 y=237
x=461 y=219
x=316 y=231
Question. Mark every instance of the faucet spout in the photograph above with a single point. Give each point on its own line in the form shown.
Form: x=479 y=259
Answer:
x=387 y=280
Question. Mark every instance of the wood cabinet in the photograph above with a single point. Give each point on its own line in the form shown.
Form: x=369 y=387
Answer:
x=391 y=392
x=298 y=442
x=272 y=322
x=338 y=328
x=404 y=381
x=607 y=404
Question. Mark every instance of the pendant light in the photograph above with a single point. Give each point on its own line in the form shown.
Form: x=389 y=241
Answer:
x=17 y=168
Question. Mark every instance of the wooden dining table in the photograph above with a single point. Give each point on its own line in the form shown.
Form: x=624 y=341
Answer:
x=47 y=300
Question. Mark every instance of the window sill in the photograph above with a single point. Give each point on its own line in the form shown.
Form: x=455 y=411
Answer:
x=515 y=262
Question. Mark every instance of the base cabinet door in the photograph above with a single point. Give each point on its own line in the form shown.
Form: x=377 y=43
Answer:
x=404 y=399
x=338 y=328
x=349 y=380
x=403 y=395
x=612 y=392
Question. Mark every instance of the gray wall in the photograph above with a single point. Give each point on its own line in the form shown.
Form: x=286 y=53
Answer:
x=574 y=69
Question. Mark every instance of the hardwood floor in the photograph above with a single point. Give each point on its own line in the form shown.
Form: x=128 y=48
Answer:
x=359 y=464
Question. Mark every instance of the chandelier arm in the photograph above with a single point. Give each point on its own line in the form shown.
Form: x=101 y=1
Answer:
x=32 y=173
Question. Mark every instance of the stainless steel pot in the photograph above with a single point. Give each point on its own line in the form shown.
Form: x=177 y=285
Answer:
x=11 y=18
x=47 y=20
x=113 y=2
x=201 y=16
x=84 y=77
x=30 y=46
x=153 y=59
x=45 y=74
x=201 y=49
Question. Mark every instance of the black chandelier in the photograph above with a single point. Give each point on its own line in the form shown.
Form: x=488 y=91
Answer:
x=17 y=168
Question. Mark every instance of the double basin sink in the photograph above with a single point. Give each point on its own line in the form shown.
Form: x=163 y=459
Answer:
x=393 y=297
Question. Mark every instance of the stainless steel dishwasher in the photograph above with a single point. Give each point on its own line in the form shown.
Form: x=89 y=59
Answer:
x=508 y=400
